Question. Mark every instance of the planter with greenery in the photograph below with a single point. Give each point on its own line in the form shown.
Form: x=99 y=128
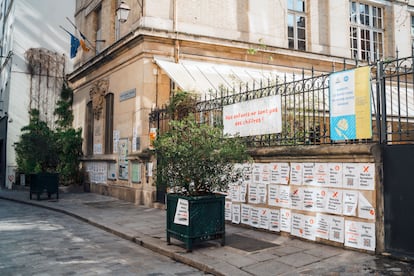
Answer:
x=197 y=163
x=49 y=156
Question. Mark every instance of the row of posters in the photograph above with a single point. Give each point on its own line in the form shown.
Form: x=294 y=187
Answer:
x=350 y=232
x=98 y=171
x=313 y=199
x=359 y=176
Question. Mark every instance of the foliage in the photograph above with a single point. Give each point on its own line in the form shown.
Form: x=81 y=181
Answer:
x=196 y=159
x=37 y=150
x=181 y=104
x=41 y=149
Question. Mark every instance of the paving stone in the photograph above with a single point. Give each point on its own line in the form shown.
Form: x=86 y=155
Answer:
x=270 y=267
x=298 y=259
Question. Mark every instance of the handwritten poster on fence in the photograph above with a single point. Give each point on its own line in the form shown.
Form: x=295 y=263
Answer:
x=254 y=117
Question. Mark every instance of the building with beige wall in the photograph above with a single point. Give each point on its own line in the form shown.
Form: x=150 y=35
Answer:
x=206 y=46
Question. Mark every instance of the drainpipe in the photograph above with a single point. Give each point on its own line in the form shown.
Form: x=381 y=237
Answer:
x=176 y=42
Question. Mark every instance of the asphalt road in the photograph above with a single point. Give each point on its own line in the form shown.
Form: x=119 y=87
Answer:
x=36 y=241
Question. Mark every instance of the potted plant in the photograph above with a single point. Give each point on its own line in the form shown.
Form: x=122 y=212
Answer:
x=37 y=156
x=197 y=163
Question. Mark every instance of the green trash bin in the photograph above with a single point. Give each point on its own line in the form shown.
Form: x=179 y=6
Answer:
x=44 y=183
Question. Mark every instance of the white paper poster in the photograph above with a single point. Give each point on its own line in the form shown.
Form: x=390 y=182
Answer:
x=273 y=199
x=264 y=218
x=234 y=192
x=265 y=174
x=245 y=214
x=350 y=199
x=310 y=226
x=284 y=196
x=247 y=172
x=322 y=226
x=285 y=220
x=279 y=173
x=321 y=195
x=261 y=193
x=253 y=193
x=352 y=234
x=235 y=213
x=350 y=175
x=243 y=191
x=334 y=202
x=367 y=176
x=309 y=199
x=296 y=197
x=257 y=173
x=335 y=175
x=367 y=236
x=254 y=216
x=308 y=175
x=181 y=213
x=227 y=210
x=298 y=225
x=296 y=174
x=365 y=208
x=321 y=174
x=336 y=229
x=274 y=220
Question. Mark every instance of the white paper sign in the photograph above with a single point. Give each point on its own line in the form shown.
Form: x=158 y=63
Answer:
x=279 y=173
x=310 y=227
x=367 y=176
x=254 y=216
x=336 y=229
x=284 y=196
x=296 y=174
x=235 y=213
x=335 y=175
x=321 y=174
x=321 y=195
x=365 y=208
x=322 y=225
x=309 y=199
x=273 y=198
x=261 y=193
x=352 y=234
x=227 y=210
x=274 y=223
x=253 y=193
x=181 y=213
x=298 y=225
x=350 y=175
x=308 y=175
x=265 y=178
x=350 y=199
x=245 y=214
x=367 y=236
x=334 y=202
x=257 y=173
x=296 y=197
x=285 y=220
x=264 y=218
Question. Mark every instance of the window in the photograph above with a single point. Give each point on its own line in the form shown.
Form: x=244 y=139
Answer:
x=412 y=32
x=366 y=31
x=296 y=24
x=109 y=122
x=98 y=30
x=89 y=128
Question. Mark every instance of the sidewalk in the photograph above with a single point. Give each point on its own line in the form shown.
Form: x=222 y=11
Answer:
x=247 y=251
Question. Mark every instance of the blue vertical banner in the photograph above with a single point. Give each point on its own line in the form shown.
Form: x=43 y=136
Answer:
x=350 y=104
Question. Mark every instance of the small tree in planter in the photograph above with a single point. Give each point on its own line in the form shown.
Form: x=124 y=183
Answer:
x=197 y=161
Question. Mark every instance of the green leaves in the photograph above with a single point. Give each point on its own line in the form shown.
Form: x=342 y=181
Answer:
x=196 y=158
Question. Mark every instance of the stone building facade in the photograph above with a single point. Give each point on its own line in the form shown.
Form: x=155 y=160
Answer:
x=206 y=46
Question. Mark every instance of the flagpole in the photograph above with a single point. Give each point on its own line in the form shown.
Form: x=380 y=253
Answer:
x=73 y=24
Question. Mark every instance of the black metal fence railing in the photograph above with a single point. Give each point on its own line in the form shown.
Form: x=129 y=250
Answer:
x=305 y=107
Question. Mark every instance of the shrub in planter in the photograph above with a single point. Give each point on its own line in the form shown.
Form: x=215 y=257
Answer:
x=197 y=161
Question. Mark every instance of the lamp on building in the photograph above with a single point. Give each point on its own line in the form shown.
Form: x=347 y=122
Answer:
x=122 y=12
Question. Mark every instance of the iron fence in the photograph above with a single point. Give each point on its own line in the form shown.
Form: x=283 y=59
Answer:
x=305 y=107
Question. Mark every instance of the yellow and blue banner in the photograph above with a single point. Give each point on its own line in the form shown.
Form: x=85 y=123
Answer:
x=350 y=104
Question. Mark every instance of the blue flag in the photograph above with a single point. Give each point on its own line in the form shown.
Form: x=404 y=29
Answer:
x=74 y=45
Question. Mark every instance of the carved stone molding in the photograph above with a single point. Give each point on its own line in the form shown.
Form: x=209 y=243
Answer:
x=97 y=95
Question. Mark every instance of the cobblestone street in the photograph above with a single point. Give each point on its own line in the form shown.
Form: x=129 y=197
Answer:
x=36 y=241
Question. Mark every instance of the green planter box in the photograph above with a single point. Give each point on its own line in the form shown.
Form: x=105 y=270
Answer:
x=205 y=219
x=44 y=183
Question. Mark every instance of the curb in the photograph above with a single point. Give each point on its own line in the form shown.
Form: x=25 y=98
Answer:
x=141 y=240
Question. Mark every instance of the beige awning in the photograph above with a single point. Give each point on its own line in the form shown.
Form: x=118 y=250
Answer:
x=206 y=77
